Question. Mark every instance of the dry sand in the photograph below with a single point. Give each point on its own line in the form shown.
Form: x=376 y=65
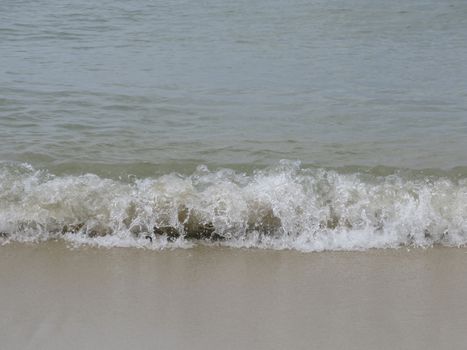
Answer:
x=53 y=297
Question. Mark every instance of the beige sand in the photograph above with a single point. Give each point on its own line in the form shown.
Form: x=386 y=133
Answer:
x=52 y=297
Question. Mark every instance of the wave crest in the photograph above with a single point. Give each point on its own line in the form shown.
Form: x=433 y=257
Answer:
x=284 y=207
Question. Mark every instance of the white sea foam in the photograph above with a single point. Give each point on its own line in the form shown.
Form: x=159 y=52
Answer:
x=285 y=207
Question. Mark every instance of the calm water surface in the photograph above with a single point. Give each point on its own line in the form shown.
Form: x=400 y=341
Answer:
x=170 y=85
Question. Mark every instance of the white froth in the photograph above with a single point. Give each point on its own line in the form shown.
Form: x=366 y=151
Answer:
x=285 y=207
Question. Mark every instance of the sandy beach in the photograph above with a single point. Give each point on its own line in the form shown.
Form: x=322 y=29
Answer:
x=54 y=297
x=233 y=175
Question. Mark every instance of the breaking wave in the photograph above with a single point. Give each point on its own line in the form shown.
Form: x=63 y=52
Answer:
x=284 y=207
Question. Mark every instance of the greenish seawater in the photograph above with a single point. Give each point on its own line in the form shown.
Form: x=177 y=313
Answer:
x=314 y=119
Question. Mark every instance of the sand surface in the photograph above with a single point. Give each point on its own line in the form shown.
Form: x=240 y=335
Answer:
x=53 y=297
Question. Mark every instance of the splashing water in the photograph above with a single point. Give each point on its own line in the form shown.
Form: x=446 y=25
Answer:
x=284 y=207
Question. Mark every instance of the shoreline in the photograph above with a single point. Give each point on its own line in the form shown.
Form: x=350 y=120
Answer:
x=53 y=296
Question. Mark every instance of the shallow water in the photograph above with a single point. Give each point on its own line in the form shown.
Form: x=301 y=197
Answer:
x=369 y=93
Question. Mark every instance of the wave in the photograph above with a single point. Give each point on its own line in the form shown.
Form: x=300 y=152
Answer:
x=282 y=207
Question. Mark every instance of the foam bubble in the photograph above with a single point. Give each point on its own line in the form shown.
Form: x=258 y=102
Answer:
x=284 y=207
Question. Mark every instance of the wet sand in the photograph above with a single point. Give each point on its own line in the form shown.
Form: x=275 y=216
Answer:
x=53 y=297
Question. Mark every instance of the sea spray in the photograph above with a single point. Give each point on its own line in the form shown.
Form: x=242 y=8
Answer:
x=282 y=207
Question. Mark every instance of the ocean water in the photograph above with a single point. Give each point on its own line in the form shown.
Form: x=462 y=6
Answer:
x=309 y=125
